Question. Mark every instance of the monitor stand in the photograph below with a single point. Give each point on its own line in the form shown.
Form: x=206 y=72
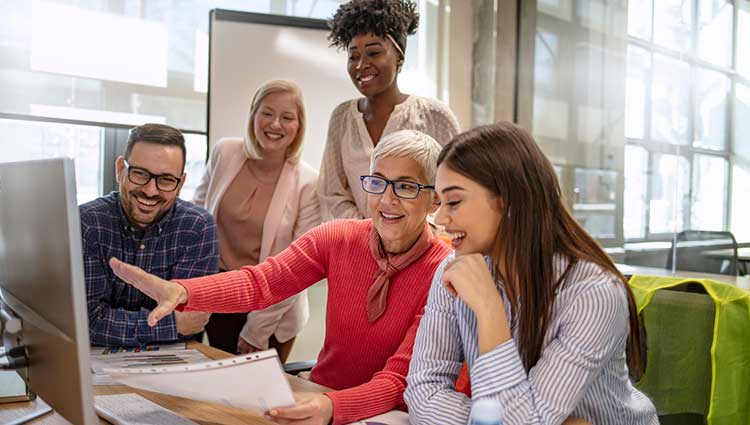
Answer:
x=22 y=412
x=18 y=404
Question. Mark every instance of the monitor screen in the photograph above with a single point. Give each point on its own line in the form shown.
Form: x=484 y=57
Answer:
x=42 y=282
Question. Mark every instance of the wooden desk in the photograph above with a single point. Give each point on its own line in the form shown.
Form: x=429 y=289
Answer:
x=656 y=271
x=198 y=411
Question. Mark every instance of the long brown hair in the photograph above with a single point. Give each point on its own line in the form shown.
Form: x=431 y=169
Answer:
x=536 y=225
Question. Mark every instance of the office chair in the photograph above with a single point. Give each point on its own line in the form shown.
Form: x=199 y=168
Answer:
x=704 y=251
x=696 y=332
x=294 y=368
x=678 y=326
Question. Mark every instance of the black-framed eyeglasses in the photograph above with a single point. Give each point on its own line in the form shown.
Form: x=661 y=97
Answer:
x=142 y=177
x=405 y=189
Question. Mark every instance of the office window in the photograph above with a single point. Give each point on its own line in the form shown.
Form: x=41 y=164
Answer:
x=669 y=183
x=648 y=99
x=714 y=37
x=36 y=140
x=740 y=195
x=195 y=163
x=115 y=64
x=636 y=192
x=572 y=112
x=689 y=142
x=134 y=61
x=670 y=97
x=672 y=24
x=595 y=201
x=743 y=38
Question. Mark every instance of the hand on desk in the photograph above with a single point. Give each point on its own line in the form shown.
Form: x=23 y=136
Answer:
x=311 y=409
x=167 y=294
x=190 y=322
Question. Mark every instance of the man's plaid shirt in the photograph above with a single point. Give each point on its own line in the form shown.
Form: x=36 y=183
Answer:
x=183 y=244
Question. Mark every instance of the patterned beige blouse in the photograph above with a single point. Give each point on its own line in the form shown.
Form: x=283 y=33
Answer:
x=348 y=149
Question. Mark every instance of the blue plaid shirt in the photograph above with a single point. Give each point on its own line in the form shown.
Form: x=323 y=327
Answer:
x=183 y=244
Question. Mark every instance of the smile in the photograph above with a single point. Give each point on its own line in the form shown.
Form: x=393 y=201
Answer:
x=147 y=202
x=456 y=238
x=273 y=136
x=390 y=216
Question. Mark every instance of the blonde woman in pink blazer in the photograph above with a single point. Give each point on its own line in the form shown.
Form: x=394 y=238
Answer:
x=263 y=197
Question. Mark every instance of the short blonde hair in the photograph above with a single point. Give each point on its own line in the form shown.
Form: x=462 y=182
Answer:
x=412 y=144
x=251 y=146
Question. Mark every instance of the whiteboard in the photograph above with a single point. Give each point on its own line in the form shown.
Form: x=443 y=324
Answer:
x=247 y=49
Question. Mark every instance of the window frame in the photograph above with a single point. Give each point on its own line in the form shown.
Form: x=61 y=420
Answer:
x=114 y=141
x=688 y=151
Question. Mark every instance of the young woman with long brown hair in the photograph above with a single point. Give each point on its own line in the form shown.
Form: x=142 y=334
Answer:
x=530 y=301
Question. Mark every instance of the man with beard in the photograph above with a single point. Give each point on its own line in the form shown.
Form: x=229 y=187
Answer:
x=147 y=225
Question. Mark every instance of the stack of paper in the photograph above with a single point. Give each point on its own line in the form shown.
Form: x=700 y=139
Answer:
x=251 y=381
x=152 y=356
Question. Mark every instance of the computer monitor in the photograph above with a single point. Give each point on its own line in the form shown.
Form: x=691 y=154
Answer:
x=42 y=282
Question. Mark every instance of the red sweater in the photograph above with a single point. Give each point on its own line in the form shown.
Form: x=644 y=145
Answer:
x=365 y=362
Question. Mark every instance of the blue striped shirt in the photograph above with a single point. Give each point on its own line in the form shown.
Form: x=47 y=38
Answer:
x=182 y=244
x=581 y=372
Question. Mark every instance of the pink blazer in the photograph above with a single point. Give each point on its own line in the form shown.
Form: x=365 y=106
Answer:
x=294 y=210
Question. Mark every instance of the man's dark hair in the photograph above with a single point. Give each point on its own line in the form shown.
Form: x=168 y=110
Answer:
x=397 y=18
x=159 y=134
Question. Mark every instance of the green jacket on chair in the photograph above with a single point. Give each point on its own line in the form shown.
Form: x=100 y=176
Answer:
x=698 y=358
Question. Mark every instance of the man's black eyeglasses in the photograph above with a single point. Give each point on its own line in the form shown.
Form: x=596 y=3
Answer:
x=142 y=177
x=405 y=189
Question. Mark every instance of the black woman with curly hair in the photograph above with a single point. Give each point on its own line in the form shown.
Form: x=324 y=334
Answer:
x=373 y=33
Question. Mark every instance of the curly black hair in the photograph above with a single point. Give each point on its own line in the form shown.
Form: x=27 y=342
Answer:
x=397 y=18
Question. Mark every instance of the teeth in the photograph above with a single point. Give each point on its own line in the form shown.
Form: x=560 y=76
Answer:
x=457 y=235
x=147 y=202
x=390 y=216
x=274 y=136
x=366 y=78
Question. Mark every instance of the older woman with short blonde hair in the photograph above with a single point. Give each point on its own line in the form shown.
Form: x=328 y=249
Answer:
x=263 y=198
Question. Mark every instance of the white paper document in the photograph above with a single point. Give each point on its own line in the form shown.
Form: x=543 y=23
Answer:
x=250 y=381
x=139 y=358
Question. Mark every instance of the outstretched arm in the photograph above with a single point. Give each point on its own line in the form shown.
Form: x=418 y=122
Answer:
x=255 y=287
x=168 y=295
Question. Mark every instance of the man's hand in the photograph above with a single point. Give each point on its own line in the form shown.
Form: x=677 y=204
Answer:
x=311 y=409
x=167 y=294
x=192 y=322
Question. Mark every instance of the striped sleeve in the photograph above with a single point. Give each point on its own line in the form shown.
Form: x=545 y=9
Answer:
x=594 y=327
x=436 y=362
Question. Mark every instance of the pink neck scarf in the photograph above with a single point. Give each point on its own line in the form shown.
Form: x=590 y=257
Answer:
x=388 y=266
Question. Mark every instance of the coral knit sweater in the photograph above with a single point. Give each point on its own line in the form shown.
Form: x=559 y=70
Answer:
x=366 y=363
